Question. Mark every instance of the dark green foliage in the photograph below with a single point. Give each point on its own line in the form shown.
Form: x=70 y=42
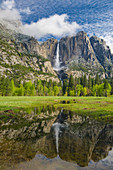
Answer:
x=105 y=84
x=111 y=85
x=72 y=87
x=84 y=86
x=89 y=82
x=82 y=80
x=85 y=83
x=93 y=81
x=71 y=82
x=97 y=80
x=78 y=80
x=65 y=86
x=40 y=88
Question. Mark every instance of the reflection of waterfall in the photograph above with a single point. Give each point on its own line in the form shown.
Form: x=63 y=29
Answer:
x=57 y=59
x=57 y=131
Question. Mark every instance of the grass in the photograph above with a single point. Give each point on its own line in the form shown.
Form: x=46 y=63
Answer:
x=97 y=107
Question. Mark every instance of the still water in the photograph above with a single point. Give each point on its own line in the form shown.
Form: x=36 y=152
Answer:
x=45 y=138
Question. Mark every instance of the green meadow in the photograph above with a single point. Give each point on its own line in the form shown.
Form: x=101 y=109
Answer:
x=97 y=107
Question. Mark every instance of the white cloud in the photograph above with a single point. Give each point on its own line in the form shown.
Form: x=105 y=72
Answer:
x=9 y=15
x=56 y=25
x=11 y=19
x=26 y=11
x=8 y=4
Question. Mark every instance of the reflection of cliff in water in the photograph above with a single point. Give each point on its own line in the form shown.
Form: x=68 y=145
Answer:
x=20 y=131
x=80 y=139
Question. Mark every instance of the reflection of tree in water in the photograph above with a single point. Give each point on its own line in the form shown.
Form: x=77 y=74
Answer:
x=38 y=110
x=80 y=139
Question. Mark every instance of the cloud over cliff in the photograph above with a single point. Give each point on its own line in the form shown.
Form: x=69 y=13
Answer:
x=56 y=25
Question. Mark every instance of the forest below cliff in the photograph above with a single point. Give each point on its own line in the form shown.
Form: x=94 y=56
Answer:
x=81 y=86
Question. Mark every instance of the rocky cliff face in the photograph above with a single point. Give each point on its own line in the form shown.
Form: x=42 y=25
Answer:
x=90 y=55
x=50 y=47
x=82 y=54
x=102 y=52
x=78 y=54
x=21 y=57
x=77 y=48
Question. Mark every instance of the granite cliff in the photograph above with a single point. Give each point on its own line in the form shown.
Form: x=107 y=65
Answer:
x=21 y=57
x=81 y=54
x=24 y=57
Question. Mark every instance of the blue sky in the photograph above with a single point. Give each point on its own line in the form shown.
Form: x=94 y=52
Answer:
x=56 y=18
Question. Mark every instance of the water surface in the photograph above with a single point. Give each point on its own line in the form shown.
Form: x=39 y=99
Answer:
x=49 y=138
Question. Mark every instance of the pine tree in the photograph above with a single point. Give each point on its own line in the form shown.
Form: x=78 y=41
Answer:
x=12 y=87
x=89 y=82
x=111 y=86
x=97 y=80
x=56 y=90
x=65 y=85
x=106 y=86
x=50 y=84
x=105 y=83
x=0 y=86
x=82 y=80
x=22 y=90
x=3 y=86
x=71 y=82
x=78 y=81
x=85 y=84
x=93 y=81
x=75 y=82
x=8 y=90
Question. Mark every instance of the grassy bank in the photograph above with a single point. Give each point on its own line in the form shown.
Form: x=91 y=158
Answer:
x=98 y=107
x=29 y=101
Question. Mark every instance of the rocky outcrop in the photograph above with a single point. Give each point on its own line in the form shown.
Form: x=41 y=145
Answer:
x=81 y=54
x=50 y=47
x=78 y=54
x=102 y=52
x=22 y=55
x=77 y=48
x=89 y=55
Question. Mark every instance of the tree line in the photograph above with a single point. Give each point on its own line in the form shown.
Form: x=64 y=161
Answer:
x=38 y=88
x=82 y=86
x=87 y=86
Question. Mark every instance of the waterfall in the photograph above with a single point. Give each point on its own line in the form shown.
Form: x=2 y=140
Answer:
x=57 y=131
x=57 y=59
